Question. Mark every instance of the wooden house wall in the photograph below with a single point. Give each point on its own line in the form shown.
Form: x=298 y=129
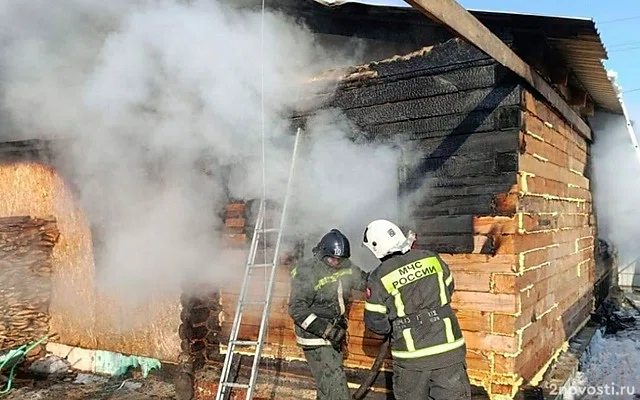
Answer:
x=497 y=183
x=555 y=244
x=456 y=114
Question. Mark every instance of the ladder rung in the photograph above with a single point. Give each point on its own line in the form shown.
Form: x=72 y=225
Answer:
x=254 y=303
x=236 y=385
x=268 y=230
x=245 y=342
x=261 y=265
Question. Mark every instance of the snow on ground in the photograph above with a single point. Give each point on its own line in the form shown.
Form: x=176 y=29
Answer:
x=612 y=368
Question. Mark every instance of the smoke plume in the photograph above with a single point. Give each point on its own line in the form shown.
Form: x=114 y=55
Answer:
x=156 y=107
x=616 y=188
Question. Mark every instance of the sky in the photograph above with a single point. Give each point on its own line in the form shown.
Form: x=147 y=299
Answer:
x=618 y=22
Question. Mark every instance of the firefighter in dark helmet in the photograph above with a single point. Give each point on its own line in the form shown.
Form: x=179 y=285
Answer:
x=320 y=295
x=408 y=296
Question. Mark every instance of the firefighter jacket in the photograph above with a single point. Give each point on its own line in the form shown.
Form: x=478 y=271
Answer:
x=319 y=298
x=409 y=296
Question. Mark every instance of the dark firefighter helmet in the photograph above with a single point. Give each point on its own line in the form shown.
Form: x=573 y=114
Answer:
x=333 y=244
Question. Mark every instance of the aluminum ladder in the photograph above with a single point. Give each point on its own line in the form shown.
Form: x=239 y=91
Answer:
x=225 y=386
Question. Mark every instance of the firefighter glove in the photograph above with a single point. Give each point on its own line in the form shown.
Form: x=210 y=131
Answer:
x=335 y=334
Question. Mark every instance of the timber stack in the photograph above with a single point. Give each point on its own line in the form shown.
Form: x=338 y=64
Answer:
x=26 y=245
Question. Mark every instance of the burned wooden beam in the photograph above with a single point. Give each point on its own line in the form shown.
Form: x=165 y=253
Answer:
x=559 y=75
x=451 y=14
x=578 y=97
x=589 y=109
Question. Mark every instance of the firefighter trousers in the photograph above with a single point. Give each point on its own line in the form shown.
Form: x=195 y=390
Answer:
x=325 y=364
x=449 y=383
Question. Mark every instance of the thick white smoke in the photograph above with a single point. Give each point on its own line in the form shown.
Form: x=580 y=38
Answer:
x=616 y=186
x=161 y=104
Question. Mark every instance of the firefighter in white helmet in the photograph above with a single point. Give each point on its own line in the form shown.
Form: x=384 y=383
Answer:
x=409 y=297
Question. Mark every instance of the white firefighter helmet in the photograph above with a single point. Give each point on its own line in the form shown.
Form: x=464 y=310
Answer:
x=384 y=237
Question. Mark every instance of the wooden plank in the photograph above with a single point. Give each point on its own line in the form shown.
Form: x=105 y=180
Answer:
x=477 y=143
x=553 y=283
x=531 y=241
x=545 y=322
x=476 y=360
x=505 y=178
x=496 y=203
x=455 y=205
x=533 y=204
x=578 y=272
x=378 y=91
x=234 y=222
x=466 y=243
x=454 y=191
x=450 y=244
x=460 y=165
x=472 y=281
x=543 y=169
x=576 y=308
x=480 y=262
x=466 y=224
x=491 y=343
x=534 y=357
x=536 y=128
x=585 y=242
x=235 y=208
x=449 y=224
x=476 y=301
x=504 y=283
x=495 y=225
x=504 y=365
x=503 y=324
x=462 y=102
x=454 y=123
x=536 y=106
x=430 y=60
x=535 y=146
x=537 y=257
x=535 y=308
x=489 y=267
x=534 y=275
x=474 y=320
x=455 y=17
x=549 y=221
x=542 y=186
x=455 y=167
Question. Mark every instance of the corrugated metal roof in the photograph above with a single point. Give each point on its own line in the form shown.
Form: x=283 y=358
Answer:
x=577 y=40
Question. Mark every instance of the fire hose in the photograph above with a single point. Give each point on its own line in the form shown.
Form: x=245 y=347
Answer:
x=373 y=372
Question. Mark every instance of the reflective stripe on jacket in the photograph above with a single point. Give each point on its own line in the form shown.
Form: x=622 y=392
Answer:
x=320 y=295
x=409 y=296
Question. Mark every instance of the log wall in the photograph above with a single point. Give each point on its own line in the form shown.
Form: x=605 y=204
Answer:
x=455 y=113
x=26 y=245
x=556 y=238
x=494 y=181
